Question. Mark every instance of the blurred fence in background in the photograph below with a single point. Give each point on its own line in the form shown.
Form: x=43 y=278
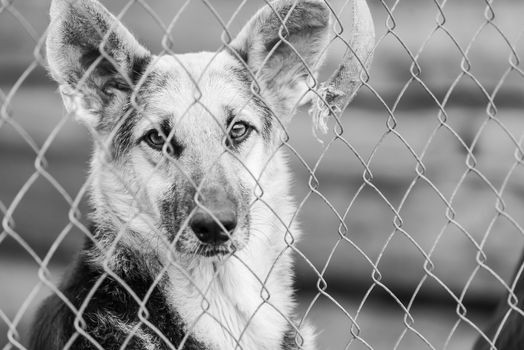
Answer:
x=414 y=219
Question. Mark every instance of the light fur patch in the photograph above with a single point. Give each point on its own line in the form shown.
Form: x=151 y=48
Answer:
x=147 y=341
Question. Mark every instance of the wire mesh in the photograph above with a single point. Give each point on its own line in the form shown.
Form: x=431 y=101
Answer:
x=410 y=203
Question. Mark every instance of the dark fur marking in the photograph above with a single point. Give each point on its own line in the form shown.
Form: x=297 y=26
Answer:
x=272 y=44
x=241 y=55
x=305 y=17
x=138 y=68
x=156 y=81
x=103 y=68
x=242 y=75
x=86 y=27
x=178 y=200
x=267 y=115
x=289 y=340
x=106 y=69
x=230 y=116
x=174 y=147
x=54 y=324
x=123 y=138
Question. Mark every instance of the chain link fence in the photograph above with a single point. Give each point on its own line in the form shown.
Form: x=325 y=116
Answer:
x=411 y=203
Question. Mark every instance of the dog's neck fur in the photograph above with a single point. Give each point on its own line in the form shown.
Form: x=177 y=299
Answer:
x=246 y=297
x=242 y=300
x=223 y=304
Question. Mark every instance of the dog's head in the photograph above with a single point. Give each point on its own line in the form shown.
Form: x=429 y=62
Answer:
x=184 y=144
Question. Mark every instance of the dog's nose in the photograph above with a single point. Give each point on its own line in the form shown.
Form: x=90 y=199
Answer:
x=213 y=227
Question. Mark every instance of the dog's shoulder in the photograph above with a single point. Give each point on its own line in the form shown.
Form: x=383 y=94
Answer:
x=109 y=310
x=50 y=325
x=54 y=321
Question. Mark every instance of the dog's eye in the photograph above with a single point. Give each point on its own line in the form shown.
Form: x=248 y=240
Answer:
x=239 y=132
x=154 y=139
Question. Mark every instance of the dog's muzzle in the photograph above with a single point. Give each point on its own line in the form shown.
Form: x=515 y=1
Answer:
x=215 y=219
x=214 y=227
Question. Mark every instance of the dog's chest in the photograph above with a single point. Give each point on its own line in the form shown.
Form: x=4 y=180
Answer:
x=230 y=309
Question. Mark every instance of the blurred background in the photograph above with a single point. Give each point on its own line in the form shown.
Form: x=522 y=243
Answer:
x=426 y=179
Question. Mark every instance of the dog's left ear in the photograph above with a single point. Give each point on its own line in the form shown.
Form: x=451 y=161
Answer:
x=282 y=44
x=94 y=58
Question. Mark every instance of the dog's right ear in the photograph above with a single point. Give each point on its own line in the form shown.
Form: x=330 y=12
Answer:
x=283 y=44
x=93 y=57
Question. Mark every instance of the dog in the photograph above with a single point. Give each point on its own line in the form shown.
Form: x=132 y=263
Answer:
x=506 y=330
x=192 y=223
